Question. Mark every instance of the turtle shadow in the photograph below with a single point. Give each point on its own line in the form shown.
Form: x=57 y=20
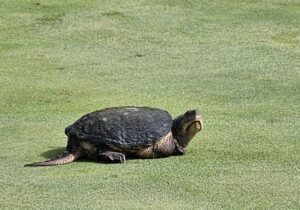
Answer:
x=53 y=152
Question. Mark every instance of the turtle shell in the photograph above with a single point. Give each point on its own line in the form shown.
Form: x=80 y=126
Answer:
x=122 y=127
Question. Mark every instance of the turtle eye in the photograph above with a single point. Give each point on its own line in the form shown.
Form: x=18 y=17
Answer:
x=188 y=113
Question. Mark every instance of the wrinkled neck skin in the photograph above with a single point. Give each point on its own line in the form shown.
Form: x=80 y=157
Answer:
x=183 y=138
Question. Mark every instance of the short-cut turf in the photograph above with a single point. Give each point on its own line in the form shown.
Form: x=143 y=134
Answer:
x=237 y=61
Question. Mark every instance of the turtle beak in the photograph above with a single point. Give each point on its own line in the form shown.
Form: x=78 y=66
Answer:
x=194 y=116
x=199 y=120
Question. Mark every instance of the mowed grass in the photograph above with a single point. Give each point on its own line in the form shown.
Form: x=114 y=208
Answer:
x=237 y=61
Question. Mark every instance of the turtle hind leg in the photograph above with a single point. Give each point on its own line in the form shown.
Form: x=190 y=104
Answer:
x=112 y=157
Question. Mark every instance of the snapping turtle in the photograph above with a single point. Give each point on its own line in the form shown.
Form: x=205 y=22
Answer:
x=113 y=134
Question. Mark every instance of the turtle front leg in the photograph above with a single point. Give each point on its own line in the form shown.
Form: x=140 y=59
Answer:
x=178 y=149
x=112 y=157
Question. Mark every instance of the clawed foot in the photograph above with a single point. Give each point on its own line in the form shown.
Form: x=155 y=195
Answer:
x=112 y=157
x=178 y=149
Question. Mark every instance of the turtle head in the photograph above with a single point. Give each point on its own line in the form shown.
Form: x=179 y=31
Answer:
x=186 y=126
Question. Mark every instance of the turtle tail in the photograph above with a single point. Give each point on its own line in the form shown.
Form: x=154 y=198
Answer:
x=60 y=159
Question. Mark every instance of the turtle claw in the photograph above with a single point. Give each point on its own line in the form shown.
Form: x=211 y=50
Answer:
x=112 y=157
x=178 y=149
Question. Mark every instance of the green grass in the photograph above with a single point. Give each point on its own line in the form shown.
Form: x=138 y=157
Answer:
x=237 y=61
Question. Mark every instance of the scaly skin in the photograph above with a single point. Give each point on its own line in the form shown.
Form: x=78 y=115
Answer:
x=165 y=147
x=62 y=159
